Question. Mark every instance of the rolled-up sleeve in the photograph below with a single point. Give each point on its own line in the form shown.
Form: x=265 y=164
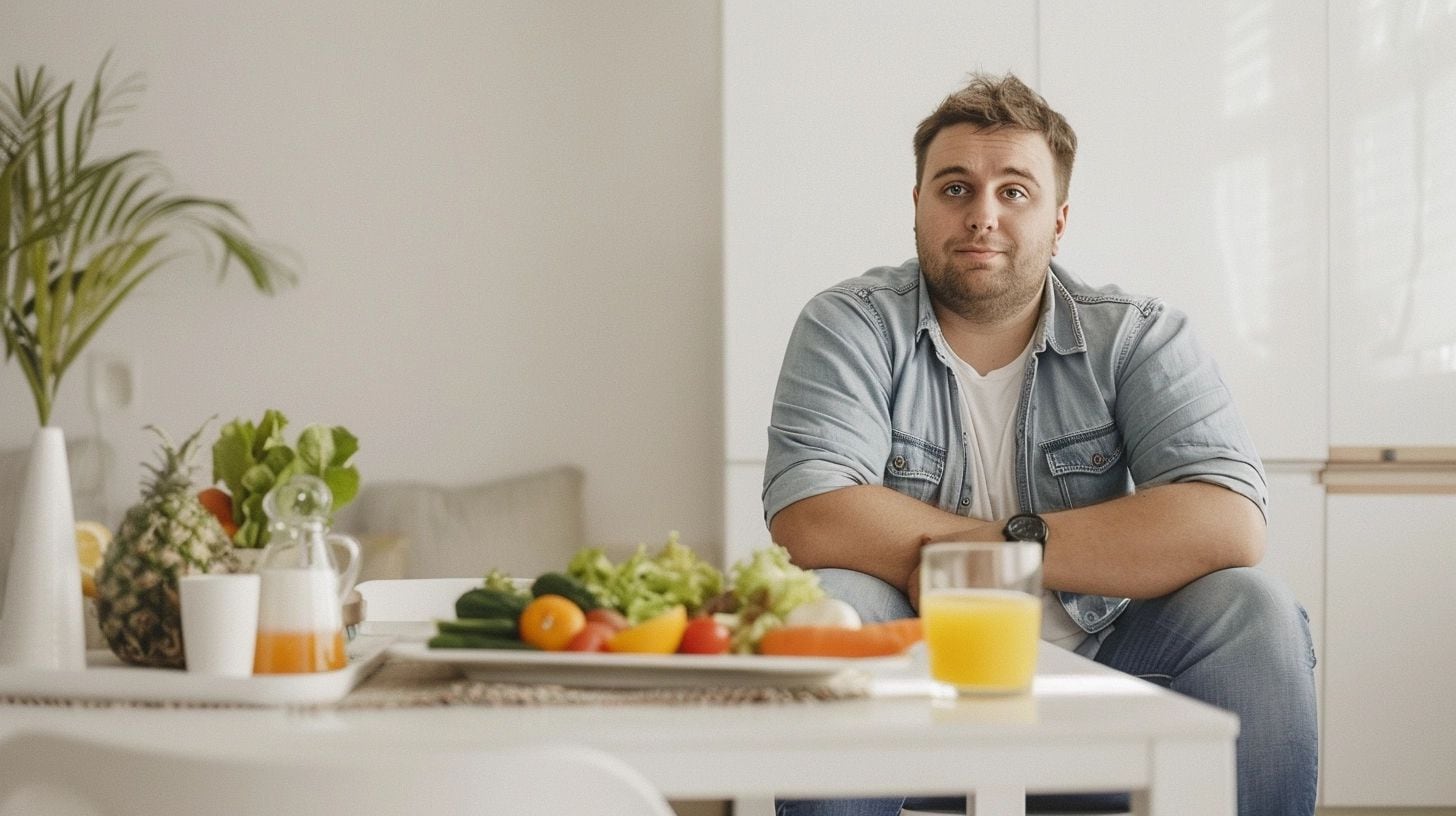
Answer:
x=1178 y=415
x=830 y=426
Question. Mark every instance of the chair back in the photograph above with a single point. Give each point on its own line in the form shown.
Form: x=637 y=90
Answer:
x=68 y=776
x=410 y=600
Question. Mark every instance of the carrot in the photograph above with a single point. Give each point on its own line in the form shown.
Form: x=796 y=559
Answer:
x=870 y=640
x=220 y=505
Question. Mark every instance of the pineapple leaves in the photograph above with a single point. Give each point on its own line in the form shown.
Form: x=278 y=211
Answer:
x=79 y=233
x=252 y=459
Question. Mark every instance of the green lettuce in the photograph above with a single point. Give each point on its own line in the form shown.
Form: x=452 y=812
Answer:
x=767 y=587
x=250 y=459
x=644 y=586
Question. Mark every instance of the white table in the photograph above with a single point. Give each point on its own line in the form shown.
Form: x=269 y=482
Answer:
x=1083 y=728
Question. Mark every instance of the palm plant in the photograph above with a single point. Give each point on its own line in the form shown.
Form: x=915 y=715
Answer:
x=79 y=233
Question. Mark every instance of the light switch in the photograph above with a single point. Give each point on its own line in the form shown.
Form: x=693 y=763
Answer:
x=112 y=383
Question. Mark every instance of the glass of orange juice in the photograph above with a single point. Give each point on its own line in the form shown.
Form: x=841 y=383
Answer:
x=980 y=604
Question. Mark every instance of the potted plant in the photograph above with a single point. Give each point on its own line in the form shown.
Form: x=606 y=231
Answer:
x=78 y=232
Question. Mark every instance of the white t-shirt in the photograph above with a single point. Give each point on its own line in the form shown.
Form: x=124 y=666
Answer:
x=988 y=413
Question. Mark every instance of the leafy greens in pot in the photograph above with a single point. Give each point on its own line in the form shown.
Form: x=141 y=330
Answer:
x=250 y=459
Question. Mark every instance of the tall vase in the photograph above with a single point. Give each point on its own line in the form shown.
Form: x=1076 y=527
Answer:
x=41 y=622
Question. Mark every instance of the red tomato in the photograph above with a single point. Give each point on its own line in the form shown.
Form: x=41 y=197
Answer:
x=592 y=638
x=610 y=617
x=704 y=636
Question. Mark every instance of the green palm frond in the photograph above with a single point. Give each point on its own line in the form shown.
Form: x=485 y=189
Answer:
x=78 y=234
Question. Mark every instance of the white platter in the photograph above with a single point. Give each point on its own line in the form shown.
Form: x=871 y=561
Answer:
x=107 y=678
x=604 y=670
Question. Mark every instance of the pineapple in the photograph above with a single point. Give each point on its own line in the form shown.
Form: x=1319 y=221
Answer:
x=167 y=535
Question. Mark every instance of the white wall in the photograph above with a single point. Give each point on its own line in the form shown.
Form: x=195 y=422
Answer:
x=508 y=219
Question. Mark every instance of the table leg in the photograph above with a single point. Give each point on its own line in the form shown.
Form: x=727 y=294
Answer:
x=1000 y=800
x=753 y=806
x=1190 y=779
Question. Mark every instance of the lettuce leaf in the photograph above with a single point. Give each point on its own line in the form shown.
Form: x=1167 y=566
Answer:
x=644 y=586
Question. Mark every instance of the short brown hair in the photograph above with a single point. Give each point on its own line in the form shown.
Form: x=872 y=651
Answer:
x=997 y=102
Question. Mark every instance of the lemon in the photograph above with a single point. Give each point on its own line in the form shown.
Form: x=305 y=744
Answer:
x=92 y=538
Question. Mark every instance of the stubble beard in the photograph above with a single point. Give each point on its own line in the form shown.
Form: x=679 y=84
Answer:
x=981 y=295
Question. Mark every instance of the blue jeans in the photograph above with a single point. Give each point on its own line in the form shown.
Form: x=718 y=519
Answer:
x=1235 y=638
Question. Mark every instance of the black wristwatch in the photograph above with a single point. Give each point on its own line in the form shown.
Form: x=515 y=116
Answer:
x=1026 y=527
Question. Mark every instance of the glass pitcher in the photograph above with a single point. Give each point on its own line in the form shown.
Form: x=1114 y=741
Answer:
x=303 y=581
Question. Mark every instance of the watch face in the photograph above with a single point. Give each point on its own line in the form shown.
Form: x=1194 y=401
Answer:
x=1027 y=528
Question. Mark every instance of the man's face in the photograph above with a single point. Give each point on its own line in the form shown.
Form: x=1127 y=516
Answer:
x=986 y=220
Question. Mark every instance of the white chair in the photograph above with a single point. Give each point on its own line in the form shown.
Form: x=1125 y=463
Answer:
x=413 y=599
x=49 y=775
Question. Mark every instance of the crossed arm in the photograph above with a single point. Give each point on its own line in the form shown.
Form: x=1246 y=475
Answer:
x=1142 y=545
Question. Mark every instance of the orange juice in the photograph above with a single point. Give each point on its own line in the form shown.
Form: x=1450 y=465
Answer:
x=300 y=624
x=293 y=652
x=982 y=640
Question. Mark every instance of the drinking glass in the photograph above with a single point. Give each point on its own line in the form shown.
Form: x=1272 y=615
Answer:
x=980 y=604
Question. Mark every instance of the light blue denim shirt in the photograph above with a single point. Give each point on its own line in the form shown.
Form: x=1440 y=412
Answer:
x=1117 y=395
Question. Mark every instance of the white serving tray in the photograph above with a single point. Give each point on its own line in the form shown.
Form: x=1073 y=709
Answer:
x=107 y=678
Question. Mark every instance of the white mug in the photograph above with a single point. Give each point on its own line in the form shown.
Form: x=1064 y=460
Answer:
x=219 y=622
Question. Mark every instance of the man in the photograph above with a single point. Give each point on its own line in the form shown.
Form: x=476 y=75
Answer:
x=981 y=382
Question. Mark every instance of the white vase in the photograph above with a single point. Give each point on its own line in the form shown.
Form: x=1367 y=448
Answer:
x=41 y=623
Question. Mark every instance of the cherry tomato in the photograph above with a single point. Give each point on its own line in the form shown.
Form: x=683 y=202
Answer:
x=610 y=617
x=593 y=637
x=704 y=636
x=550 y=622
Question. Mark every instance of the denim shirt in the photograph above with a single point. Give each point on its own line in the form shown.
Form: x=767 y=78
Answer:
x=1118 y=395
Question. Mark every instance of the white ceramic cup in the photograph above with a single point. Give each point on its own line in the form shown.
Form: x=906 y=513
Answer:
x=219 y=623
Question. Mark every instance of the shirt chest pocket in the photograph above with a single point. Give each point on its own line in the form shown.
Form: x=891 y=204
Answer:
x=1088 y=465
x=915 y=467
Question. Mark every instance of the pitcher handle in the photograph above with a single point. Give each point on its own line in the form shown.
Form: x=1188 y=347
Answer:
x=349 y=569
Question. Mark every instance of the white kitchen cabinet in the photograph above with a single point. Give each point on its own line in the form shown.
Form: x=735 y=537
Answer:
x=1389 y=663
x=1201 y=177
x=1392 y=210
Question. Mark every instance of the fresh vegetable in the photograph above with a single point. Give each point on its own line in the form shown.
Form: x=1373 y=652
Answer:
x=220 y=505
x=871 y=640
x=611 y=617
x=556 y=583
x=490 y=603
x=644 y=586
x=823 y=612
x=550 y=622
x=657 y=635
x=494 y=627
x=593 y=637
x=768 y=586
x=250 y=459
x=454 y=640
x=705 y=635
x=495 y=579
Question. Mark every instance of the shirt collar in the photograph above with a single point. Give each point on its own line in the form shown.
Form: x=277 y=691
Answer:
x=1060 y=325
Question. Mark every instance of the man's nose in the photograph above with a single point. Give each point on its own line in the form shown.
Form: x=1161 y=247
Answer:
x=981 y=215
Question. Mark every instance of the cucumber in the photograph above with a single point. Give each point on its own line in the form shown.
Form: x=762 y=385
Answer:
x=455 y=640
x=490 y=603
x=493 y=627
x=557 y=583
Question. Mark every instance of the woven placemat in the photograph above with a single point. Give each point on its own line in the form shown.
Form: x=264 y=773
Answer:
x=405 y=684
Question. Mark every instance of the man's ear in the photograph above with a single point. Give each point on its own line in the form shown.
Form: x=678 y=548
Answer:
x=1061 y=226
x=915 y=195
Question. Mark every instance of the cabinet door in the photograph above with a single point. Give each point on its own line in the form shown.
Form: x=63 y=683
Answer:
x=1201 y=177
x=1389 y=663
x=1393 y=204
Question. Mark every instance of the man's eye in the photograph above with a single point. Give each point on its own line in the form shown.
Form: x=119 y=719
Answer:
x=1015 y=193
x=956 y=189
